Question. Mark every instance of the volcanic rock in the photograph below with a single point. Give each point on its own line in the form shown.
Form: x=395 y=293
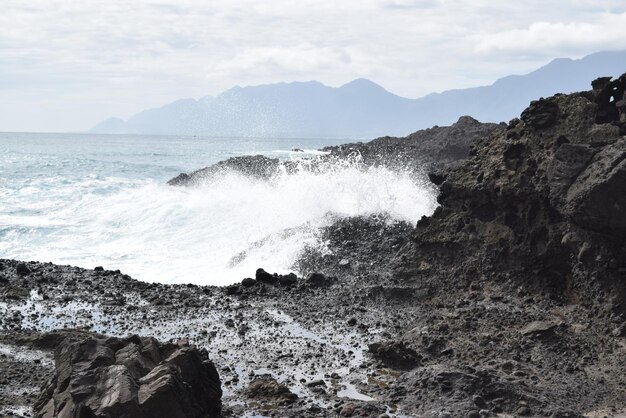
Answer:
x=132 y=377
x=265 y=277
x=597 y=199
x=537 y=328
x=317 y=280
x=266 y=387
x=395 y=355
x=436 y=146
x=22 y=269
x=257 y=166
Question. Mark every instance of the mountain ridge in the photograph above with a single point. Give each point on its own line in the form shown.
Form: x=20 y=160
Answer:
x=360 y=108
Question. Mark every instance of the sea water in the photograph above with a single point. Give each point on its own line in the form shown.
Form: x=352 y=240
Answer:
x=102 y=200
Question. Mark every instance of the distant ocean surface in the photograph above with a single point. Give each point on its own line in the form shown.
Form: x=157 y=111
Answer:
x=90 y=200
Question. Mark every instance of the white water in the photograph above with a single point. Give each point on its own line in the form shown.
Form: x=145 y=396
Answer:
x=216 y=233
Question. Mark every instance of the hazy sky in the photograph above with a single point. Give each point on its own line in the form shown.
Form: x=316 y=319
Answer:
x=66 y=65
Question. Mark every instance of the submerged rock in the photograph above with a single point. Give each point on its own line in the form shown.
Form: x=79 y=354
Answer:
x=133 y=377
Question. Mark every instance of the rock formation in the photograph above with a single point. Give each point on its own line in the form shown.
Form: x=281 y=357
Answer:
x=133 y=377
x=516 y=284
x=540 y=207
x=544 y=195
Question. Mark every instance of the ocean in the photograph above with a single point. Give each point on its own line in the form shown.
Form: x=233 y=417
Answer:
x=102 y=200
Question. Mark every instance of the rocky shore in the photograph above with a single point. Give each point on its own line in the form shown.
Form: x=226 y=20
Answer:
x=509 y=301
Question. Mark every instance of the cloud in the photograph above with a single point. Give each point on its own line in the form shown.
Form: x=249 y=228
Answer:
x=99 y=59
x=607 y=32
x=301 y=58
x=411 y=4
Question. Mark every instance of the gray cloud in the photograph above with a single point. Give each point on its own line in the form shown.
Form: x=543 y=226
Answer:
x=607 y=31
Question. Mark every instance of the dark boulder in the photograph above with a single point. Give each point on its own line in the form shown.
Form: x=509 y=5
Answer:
x=265 y=277
x=135 y=377
x=248 y=282
x=317 y=280
x=288 y=280
x=540 y=114
x=233 y=289
x=395 y=355
x=597 y=199
x=22 y=269
x=266 y=388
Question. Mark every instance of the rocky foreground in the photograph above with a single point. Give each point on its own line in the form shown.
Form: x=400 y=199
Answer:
x=508 y=301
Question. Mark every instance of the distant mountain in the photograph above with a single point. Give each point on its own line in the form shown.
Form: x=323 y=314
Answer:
x=361 y=108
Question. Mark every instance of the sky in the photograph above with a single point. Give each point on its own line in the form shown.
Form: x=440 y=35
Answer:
x=67 y=65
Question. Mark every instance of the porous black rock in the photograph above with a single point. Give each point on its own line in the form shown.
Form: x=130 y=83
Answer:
x=288 y=280
x=22 y=269
x=266 y=388
x=265 y=277
x=395 y=354
x=317 y=280
x=540 y=114
x=437 y=146
x=248 y=282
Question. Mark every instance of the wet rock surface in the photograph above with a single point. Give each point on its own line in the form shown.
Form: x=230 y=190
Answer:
x=279 y=331
x=508 y=301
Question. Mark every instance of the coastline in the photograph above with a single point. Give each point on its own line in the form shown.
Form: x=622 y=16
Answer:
x=508 y=300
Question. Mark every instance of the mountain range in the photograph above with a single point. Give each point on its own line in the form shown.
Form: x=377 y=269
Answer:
x=360 y=108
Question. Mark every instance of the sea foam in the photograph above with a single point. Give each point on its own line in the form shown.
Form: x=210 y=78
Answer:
x=215 y=233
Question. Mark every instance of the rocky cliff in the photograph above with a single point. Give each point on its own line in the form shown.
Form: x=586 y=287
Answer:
x=515 y=287
x=526 y=262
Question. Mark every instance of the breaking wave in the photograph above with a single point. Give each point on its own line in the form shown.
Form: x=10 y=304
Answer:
x=215 y=233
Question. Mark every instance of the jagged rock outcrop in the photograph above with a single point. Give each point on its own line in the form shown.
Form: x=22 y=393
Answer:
x=133 y=377
x=544 y=193
x=534 y=217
